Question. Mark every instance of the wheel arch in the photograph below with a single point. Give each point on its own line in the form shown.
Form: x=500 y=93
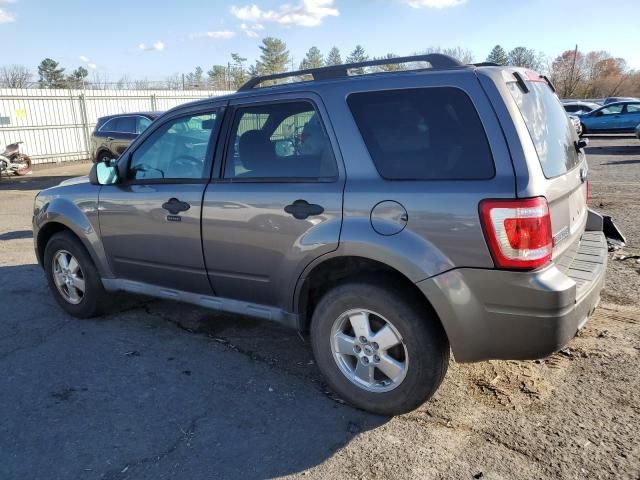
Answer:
x=63 y=215
x=324 y=274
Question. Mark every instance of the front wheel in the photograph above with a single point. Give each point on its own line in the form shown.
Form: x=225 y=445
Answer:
x=73 y=278
x=379 y=349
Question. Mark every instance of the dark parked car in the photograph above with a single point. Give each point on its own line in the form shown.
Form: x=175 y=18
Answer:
x=609 y=100
x=395 y=216
x=114 y=133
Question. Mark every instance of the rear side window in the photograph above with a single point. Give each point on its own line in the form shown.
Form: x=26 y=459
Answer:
x=126 y=125
x=423 y=134
x=552 y=132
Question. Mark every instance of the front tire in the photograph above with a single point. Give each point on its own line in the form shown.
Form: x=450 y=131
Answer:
x=73 y=277
x=380 y=349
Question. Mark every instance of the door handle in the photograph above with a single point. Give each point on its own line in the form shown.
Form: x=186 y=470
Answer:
x=301 y=209
x=175 y=206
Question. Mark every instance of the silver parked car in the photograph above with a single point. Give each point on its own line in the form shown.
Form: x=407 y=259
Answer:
x=394 y=215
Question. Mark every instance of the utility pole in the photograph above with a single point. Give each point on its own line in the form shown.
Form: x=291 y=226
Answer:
x=183 y=81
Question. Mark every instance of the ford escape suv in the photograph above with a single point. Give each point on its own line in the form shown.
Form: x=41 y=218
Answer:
x=396 y=216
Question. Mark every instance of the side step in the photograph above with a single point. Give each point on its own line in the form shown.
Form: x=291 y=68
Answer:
x=207 y=301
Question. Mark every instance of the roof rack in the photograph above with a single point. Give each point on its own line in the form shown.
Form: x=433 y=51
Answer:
x=438 y=61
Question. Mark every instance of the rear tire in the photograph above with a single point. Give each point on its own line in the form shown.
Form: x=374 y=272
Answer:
x=421 y=347
x=77 y=288
x=26 y=169
x=104 y=156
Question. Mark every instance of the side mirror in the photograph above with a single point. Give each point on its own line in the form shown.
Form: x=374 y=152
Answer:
x=104 y=173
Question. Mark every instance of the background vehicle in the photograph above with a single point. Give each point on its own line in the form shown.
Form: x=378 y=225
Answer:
x=14 y=162
x=393 y=215
x=578 y=108
x=114 y=133
x=638 y=131
x=612 y=118
x=609 y=100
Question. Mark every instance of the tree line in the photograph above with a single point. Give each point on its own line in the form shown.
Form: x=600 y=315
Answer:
x=576 y=74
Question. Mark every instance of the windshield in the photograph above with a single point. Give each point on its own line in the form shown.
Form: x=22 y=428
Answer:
x=552 y=134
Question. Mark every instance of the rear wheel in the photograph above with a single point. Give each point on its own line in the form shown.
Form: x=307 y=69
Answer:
x=72 y=277
x=379 y=349
x=25 y=166
x=104 y=157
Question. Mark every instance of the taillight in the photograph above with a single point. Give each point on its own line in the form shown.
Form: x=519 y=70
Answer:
x=587 y=188
x=518 y=232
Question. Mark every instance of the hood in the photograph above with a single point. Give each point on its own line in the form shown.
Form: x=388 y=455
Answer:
x=74 y=181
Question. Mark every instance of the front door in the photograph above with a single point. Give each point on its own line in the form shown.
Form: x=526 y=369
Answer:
x=277 y=201
x=150 y=221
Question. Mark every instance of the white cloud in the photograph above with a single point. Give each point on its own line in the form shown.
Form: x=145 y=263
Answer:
x=433 y=3
x=307 y=13
x=251 y=30
x=6 y=17
x=83 y=59
x=92 y=66
x=156 y=47
x=220 y=35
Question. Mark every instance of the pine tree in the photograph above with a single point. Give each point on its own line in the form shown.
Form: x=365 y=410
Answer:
x=525 y=57
x=238 y=74
x=217 y=77
x=51 y=75
x=313 y=59
x=358 y=55
x=195 y=79
x=333 y=58
x=274 y=57
x=498 y=55
x=78 y=78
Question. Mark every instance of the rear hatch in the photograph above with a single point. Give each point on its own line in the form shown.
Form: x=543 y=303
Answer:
x=564 y=167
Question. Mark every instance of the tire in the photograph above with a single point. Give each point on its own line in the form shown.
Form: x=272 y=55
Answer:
x=425 y=345
x=104 y=156
x=26 y=169
x=93 y=300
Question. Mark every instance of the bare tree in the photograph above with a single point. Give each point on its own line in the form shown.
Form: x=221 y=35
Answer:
x=15 y=76
x=100 y=81
x=174 y=82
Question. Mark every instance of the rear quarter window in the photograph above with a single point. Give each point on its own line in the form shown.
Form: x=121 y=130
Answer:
x=551 y=131
x=423 y=134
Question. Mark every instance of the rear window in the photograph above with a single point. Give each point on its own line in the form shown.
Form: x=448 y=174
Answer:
x=552 y=133
x=423 y=134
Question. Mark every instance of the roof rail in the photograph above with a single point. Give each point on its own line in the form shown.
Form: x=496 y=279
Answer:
x=438 y=61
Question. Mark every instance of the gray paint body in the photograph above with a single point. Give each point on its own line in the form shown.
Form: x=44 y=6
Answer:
x=236 y=249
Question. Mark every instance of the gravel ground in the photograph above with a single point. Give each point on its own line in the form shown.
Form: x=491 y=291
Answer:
x=160 y=390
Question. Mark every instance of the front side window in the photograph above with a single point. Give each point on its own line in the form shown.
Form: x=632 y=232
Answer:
x=176 y=150
x=279 y=140
x=612 y=110
x=126 y=125
x=423 y=134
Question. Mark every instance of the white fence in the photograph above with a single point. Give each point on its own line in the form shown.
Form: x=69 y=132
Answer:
x=55 y=125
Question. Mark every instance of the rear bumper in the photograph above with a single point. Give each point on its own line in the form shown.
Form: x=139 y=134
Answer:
x=496 y=314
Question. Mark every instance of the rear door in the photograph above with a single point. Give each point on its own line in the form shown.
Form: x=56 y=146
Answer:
x=277 y=202
x=563 y=168
x=123 y=136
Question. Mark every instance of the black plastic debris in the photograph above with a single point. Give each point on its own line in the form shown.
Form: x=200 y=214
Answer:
x=615 y=239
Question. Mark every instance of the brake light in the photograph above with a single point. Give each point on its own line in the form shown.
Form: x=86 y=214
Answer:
x=587 y=189
x=518 y=232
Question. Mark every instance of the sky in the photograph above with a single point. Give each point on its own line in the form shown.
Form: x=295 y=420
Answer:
x=154 y=39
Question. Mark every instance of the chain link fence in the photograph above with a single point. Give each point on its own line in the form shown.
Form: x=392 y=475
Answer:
x=56 y=125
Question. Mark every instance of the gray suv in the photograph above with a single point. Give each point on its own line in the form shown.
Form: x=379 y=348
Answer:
x=396 y=216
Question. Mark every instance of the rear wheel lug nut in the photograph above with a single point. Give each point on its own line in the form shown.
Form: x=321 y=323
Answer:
x=375 y=346
x=363 y=339
x=365 y=360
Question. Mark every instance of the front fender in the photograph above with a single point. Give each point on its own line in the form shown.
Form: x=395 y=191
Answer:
x=78 y=213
